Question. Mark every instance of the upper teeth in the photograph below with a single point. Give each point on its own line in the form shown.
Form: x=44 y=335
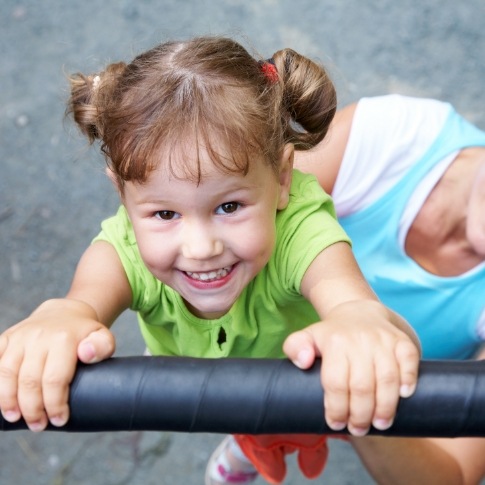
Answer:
x=220 y=273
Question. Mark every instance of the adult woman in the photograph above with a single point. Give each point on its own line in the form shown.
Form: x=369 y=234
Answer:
x=408 y=180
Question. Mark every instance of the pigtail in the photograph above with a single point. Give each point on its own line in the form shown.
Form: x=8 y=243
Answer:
x=89 y=98
x=308 y=98
x=207 y=92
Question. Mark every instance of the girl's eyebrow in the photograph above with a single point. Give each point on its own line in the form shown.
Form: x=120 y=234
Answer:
x=230 y=184
x=149 y=199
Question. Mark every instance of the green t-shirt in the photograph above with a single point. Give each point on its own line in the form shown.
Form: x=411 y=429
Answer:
x=270 y=307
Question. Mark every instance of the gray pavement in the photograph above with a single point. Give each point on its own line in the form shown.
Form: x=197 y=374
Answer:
x=53 y=193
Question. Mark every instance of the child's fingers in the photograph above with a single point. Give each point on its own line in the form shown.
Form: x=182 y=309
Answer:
x=29 y=392
x=335 y=382
x=362 y=385
x=387 y=377
x=58 y=373
x=300 y=348
x=407 y=356
x=97 y=346
x=9 y=365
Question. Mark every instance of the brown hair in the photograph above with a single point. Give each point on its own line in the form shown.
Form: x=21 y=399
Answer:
x=206 y=92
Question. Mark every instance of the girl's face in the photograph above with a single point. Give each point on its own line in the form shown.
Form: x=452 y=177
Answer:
x=207 y=241
x=476 y=212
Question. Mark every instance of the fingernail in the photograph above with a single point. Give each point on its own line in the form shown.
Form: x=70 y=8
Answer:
x=406 y=390
x=89 y=352
x=58 y=421
x=36 y=426
x=382 y=424
x=356 y=431
x=303 y=358
x=336 y=425
x=11 y=416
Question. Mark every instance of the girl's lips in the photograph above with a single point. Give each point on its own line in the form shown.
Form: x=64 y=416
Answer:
x=210 y=279
x=210 y=275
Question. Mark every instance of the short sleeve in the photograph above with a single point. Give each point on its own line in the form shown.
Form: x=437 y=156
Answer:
x=304 y=229
x=118 y=231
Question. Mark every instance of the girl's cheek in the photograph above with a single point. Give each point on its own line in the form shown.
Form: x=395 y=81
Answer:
x=151 y=254
x=263 y=245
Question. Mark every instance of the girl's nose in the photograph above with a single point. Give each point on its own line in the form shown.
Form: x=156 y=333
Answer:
x=200 y=242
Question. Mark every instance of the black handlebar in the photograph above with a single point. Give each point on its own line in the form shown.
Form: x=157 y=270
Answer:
x=255 y=396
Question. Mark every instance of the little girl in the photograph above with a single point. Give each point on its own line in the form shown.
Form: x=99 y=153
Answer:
x=219 y=246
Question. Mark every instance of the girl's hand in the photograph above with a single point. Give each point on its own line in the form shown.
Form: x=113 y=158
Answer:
x=38 y=359
x=367 y=364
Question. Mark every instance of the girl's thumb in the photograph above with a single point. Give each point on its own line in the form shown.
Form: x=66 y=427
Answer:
x=300 y=349
x=97 y=346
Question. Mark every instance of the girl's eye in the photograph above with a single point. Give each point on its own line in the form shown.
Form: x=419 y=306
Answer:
x=228 y=208
x=166 y=215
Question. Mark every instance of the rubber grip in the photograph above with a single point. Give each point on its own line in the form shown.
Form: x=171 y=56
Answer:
x=255 y=396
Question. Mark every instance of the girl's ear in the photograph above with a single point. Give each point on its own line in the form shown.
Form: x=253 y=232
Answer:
x=286 y=174
x=114 y=180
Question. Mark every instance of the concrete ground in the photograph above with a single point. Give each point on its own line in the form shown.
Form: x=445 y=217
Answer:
x=53 y=192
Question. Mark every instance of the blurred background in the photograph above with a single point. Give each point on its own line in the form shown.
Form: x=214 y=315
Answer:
x=53 y=191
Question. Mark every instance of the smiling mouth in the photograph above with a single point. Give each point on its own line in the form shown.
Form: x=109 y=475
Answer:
x=211 y=275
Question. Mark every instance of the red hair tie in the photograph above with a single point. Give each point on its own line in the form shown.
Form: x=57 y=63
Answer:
x=268 y=68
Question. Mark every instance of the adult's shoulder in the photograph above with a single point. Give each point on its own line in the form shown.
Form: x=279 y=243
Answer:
x=401 y=111
x=389 y=134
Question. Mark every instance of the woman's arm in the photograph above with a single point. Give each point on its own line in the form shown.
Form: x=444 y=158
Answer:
x=422 y=461
x=426 y=461
x=38 y=356
x=324 y=160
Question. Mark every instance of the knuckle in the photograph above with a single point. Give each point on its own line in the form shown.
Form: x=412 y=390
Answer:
x=62 y=337
x=333 y=385
x=7 y=373
x=408 y=351
x=54 y=380
x=388 y=377
x=337 y=341
x=360 y=388
x=29 y=382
